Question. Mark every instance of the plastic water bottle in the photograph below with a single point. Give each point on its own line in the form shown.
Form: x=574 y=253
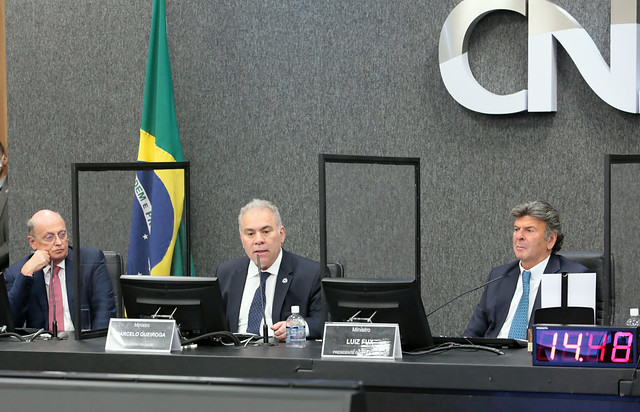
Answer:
x=634 y=319
x=296 y=329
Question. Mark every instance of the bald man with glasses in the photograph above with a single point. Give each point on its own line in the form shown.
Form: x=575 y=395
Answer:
x=41 y=286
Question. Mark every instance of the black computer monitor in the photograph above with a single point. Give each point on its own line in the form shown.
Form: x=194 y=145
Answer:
x=195 y=302
x=392 y=301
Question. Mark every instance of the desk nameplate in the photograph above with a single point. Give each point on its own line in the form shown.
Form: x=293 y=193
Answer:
x=142 y=335
x=354 y=340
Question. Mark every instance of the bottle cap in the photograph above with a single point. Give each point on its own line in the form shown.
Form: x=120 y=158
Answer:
x=296 y=309
x=633 y=311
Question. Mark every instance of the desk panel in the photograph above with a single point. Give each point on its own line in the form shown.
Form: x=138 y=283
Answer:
x=107 y=393
x=456 y=379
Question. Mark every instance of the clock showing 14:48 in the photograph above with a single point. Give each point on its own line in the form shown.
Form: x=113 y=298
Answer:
x=593 y=346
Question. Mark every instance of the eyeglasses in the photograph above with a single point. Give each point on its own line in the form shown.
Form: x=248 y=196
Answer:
x=50 y=238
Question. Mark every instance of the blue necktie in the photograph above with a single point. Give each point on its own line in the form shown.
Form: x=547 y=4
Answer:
x=255 y=310
x=521 y=318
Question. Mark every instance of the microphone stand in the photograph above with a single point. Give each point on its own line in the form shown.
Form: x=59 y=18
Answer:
x=263 y=297
x=54 y=322
x=465 y=293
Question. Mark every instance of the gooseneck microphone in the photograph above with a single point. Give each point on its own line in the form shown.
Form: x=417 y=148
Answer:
x=54 y=322
x=464 y=293
x=263 y=297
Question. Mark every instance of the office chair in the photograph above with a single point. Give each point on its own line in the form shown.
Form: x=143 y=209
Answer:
x=336 y=270
x=115 y=267
x=594 y=261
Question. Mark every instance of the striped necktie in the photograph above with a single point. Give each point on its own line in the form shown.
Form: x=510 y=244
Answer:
x=257 y=305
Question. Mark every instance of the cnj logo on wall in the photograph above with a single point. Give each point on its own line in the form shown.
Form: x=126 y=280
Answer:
x=548 y=24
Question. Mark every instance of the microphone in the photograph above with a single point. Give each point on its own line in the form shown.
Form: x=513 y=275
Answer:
x=263 y=297
x=465 y=293
x=54 y=322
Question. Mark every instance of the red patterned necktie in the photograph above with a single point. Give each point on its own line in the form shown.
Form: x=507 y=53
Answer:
x=55 y=292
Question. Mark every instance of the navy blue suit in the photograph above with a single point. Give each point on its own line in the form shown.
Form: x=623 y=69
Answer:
x=491 y=312
x=301 y=288
x=28 y=295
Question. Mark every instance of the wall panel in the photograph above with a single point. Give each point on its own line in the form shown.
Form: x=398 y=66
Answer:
x=262 y=87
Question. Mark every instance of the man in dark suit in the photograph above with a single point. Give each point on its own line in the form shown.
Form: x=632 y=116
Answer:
x=537 y=235
x=292 y=279
x=32 y=281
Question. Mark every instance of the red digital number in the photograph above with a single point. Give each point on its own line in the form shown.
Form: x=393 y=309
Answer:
x=575 y=346
x=599 y=347
x=626 y=345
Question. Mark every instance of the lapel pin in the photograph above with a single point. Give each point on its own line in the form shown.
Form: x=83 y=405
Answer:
x=285 y=280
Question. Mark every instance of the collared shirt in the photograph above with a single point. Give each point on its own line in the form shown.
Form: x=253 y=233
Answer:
x=534 y=284
x=68 y=323
x=251 y=284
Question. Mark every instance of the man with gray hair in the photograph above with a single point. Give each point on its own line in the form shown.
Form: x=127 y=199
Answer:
x=504 y=310
x=284 y=279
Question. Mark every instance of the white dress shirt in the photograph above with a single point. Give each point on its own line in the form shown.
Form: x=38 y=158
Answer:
x=251 y=284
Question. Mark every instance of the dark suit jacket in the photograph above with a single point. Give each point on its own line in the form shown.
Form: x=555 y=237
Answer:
x=28 y=295
x=491 y=312
x=4 y=225
x=302 y=288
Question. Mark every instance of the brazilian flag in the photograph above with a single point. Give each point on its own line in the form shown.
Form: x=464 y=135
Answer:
x=157 y=243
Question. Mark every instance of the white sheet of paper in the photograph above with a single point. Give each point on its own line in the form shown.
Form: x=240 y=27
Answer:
x=582 y=290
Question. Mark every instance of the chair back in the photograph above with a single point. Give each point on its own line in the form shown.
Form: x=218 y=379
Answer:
x=115 y=267
x=336 y=270
x=594 y=261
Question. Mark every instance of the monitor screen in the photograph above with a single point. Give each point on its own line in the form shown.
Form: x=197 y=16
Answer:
x=5 y=309
x=194 y=302
x=382 y=301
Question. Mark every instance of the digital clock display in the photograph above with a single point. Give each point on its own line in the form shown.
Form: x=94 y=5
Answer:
x=595 y=346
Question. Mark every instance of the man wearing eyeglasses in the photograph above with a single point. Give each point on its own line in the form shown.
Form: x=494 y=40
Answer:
x=41 y=286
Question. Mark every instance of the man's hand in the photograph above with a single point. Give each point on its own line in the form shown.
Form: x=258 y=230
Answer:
x=36 y=262
x=280 y=330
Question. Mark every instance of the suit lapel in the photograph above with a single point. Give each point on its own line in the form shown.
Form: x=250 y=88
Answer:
x=4 y=195
x=41 y=292
x=507 y=289
x=70 y=283
x=236 y=289
x=553 y=266
x=285 y=276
